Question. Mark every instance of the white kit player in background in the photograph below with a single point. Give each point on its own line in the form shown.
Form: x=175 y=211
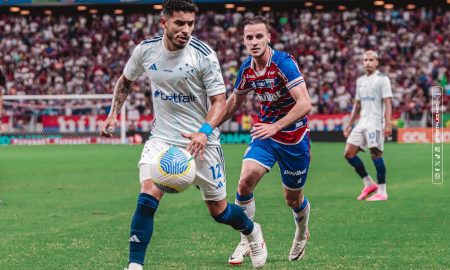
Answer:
x=373 y=104
x=188 y=94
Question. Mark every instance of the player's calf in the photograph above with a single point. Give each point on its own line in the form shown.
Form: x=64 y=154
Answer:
x=141 y=229
x=234 y=216
x=301 y=218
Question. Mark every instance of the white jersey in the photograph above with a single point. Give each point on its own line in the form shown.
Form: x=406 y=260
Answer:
x=370 y=91
x=182 y=82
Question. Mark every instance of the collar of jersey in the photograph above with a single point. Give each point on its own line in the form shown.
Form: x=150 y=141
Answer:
x=167 y=51
x=269 y=62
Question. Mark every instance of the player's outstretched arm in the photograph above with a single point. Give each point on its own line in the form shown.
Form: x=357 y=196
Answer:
x=301 y=108
x=354 y=115
x=121 y=92
x=387 y=117
x=233 y=103
x=214 y=117
x=216 y=113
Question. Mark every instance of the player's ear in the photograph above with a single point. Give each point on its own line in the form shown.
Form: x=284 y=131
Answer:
x=163 y=22
x=268 y=36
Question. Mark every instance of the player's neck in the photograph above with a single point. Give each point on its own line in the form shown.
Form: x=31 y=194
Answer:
x=260 y=63
x=169 y=45
x=370 y=73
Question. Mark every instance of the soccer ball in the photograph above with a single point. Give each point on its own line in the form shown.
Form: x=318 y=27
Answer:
x=173 y=170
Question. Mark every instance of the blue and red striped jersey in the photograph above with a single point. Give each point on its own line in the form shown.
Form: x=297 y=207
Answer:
x=271 y=86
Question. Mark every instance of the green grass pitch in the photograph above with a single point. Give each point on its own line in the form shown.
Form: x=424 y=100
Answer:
x=69 y=207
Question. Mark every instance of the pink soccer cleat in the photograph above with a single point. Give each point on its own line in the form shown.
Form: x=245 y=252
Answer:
x=367 y=191
x=378 y=197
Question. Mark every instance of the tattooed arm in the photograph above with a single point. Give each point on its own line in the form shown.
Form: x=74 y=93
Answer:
x=121 y=92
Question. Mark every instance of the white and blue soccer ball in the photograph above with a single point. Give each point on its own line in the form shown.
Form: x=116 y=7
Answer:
x=173 y=170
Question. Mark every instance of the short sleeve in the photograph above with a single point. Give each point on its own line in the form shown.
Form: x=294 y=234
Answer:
x=133 y=69
x=357 y=94
x=291 y=72
x=386 y=90
x=212 y=76
x=241 y=86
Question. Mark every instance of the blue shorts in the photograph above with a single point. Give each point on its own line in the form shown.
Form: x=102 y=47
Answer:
x=293 y=160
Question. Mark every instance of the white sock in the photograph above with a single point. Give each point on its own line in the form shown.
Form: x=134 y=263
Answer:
x=134 y=266
x=368 y=181
x=249 y=207
x=253 y=235
x=382 y=189
x=301 y=222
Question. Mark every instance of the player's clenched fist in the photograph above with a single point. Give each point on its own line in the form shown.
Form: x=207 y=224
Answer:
x=107 y=127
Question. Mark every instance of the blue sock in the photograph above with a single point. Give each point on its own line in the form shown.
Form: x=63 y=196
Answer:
x=381 y=170
x=302 y=206
x=234 y=216
x=357 y=163
x=142 y=227
x=244 y=198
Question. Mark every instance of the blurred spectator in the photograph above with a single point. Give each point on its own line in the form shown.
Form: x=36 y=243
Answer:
x=85 y=53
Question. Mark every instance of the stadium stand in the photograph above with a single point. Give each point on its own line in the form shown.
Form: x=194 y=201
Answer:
x=85 y=53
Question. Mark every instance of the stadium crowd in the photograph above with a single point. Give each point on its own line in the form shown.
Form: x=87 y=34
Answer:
x=85 y=54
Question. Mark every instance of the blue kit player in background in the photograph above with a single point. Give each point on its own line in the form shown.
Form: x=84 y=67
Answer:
x=373 y=104
x=281 y=135
x=188 y=103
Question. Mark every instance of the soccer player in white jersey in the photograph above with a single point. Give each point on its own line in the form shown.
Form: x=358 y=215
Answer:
x=188 y=102
x=373 y=104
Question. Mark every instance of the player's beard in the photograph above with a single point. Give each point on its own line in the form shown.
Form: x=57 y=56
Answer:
x=173 y=40
x=369 y=70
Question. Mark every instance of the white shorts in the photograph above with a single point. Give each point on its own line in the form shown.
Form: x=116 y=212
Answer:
x=367 y=137
x=210 y=177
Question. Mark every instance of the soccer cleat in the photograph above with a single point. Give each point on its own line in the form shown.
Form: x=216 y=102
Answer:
x=367 y=191
x=378 y=197
x=242 y=250
x=134 y=266
x=258 y=249
x=298 y=249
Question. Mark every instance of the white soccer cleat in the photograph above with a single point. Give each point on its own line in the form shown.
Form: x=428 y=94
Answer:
x=298 y=249
x=258 y=249
x=242 y=250
x=134 y=266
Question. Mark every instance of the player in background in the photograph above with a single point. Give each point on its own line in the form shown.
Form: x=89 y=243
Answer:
x=188 y=100
x=2 y=86
x=280 y=136
x=373 y=104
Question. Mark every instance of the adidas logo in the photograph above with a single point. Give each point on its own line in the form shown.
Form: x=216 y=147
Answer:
x=134 y=239
x=153 y=67
x=219 y=185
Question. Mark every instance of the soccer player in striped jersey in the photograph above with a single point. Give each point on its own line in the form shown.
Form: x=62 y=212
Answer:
x=373 y=103
x=281 y=135
x=188 y=95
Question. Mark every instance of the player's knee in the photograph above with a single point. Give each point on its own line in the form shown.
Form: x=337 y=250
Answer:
x=245 y=187
x=376 y=154
x=224 y=216
x=348 y=154
x=293 y=203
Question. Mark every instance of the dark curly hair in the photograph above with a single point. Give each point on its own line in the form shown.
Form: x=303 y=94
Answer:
x=171 y=6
